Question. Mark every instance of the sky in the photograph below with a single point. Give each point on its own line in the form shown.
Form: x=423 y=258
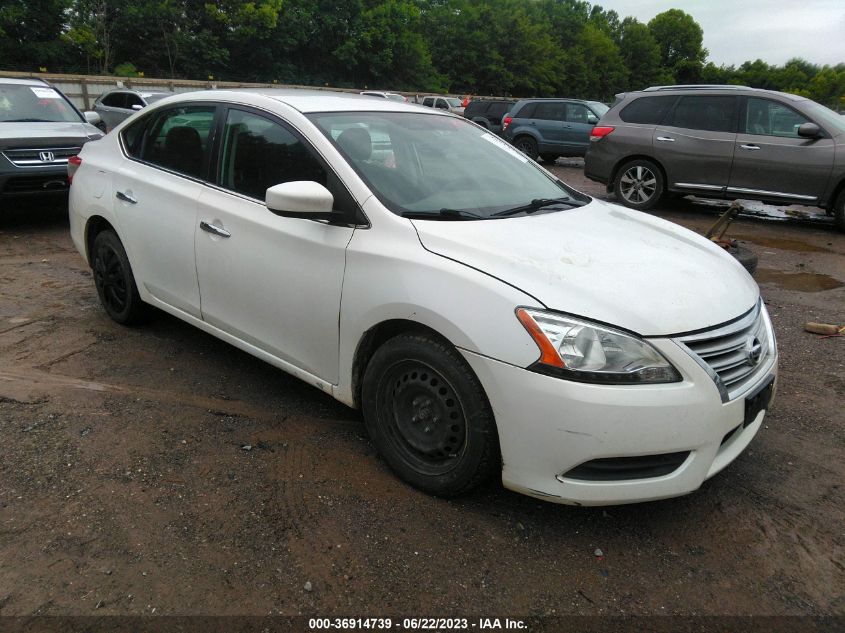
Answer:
x=740 y=30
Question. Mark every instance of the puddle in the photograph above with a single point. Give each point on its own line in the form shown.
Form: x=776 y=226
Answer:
x=800 y=282
x=784 y=244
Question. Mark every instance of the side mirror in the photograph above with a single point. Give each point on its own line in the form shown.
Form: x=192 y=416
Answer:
x=137 y=107
x=592 y=119
x=809 y=130
x=301 y=198
x=92 y=117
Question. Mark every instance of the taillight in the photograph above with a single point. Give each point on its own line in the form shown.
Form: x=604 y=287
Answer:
x=599 y=133
x=73 y=163
x=506 y=122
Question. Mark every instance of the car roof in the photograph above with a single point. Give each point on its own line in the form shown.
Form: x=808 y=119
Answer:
x=23 y=81
x=305 y=100
x=712 y=88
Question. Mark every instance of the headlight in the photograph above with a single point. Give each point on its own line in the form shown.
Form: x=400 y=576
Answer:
x=588 y=352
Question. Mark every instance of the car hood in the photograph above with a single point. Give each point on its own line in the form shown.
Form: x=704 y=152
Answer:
x=23 y=134
x=606 y=263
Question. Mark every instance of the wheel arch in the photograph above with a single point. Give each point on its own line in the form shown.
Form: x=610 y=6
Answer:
x=834 y=196
x=95 y=225
x=374 y=338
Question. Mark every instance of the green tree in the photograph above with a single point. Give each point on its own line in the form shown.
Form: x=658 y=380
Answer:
x=641 y=55
x=680 y=39
x=30 y=33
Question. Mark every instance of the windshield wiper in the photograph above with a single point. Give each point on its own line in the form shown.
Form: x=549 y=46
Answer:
x=29 y=121
x=452 y=214
x=537 y=204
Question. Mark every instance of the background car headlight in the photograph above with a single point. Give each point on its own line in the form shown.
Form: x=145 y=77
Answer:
x=588 y=352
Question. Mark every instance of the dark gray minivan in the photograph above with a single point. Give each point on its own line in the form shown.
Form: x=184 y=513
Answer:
x=549 y=128
x=720 y=141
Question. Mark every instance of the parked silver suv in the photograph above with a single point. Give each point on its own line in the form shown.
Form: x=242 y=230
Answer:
x=720 y=141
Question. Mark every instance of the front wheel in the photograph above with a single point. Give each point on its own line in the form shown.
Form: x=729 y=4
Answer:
x=428 y=415
x=115 y=282
x=639 y=184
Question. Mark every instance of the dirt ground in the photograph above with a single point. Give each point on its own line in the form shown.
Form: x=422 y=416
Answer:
x=158 y=470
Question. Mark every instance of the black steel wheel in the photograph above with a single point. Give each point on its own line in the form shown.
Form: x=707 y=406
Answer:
x=114 y=280
x=428 y=415
x=527 y=146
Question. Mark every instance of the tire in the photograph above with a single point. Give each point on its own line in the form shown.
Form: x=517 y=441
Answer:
x=744 y=256
x=639 y=184
x=115 y=282
x=549 y=158
x=527 y=146
x=428 y=415
x=839 y=211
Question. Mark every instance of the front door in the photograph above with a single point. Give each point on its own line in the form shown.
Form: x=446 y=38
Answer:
x=156 y=193
x=695 y=144
x=577 y=128
x=273 y=282
x=771 y=161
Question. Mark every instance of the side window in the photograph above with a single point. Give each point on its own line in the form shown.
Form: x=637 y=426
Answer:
x=115 y=100
x=647 y=110
x=713 y=114
x=442 y=105
x=770 y=118
x=576 y=113
x=526 y=111
x=133 y=100
x=258 y=153
x=428 y=101
x=554 y=111
x=177 y=139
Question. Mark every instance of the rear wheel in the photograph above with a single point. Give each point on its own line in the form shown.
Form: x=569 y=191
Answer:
x=839 y=211
x=639 y=184
x=114 y=280
x=527 y=146
x=428 y=415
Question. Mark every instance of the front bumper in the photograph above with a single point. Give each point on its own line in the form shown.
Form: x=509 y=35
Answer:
x=44 y=181
x=547 y=426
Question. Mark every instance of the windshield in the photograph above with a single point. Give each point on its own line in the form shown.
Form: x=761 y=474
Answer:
x=828 y=119
x=598 y=108
x=455 y=103
x=33 y=104
x=152 y=97
x=395 y=97
x=422 y=163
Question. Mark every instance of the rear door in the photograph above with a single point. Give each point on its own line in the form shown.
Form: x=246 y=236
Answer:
x=548 y=119
x=111 y=108
x=156 y=191
x=695 y=144
x=771 y=161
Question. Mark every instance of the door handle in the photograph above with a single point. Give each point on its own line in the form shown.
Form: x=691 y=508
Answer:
x=751 y=147
x=667 y=139
x=216 y=230
x=120 y=195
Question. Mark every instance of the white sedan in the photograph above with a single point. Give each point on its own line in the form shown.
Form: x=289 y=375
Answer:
x=485 y=317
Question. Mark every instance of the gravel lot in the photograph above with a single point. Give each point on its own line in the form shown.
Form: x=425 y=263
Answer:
x=126 y=486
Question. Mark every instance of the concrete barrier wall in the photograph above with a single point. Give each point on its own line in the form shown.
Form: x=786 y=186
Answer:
x=83 y=90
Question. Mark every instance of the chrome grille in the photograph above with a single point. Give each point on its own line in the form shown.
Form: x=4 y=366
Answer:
x=34 y=157
x=736 y=354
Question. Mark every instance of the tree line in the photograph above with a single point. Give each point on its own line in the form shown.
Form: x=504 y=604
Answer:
x=495 y=47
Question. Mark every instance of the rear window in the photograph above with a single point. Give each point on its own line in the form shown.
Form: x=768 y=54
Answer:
x=713 y=114
x=498 y=109
x=647 y=110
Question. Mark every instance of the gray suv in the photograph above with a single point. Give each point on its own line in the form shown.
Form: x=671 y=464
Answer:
x=39 y=131
x=549 y=128
x=722 y=142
